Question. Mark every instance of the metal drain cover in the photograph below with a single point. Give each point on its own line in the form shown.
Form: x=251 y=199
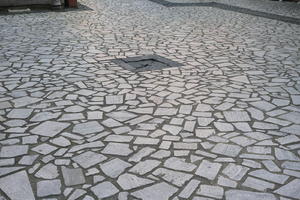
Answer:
x=146 y=63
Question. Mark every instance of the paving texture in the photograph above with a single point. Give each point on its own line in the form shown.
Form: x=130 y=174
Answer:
x=75 y=125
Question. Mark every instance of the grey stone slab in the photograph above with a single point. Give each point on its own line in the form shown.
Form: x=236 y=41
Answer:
x=290 y=190
x=235 y=172
x=13 y=151
x=48 y=187
x=248 y=195
x=208 y=169
x=48 y=171
x=272 y=177
x=211 y=191
x=144 y=167
x=88 y=159
x=227 y=149
x=88 y=128
x=156 y=191
x=19 y=113
x=49 y=128
x=179 y=164
x=72 y=176
x=115 y=167
x=174 y=177
x=120 y=149
x=236 y=116
x=130 y=181
x=104 y=189
x=17 y=186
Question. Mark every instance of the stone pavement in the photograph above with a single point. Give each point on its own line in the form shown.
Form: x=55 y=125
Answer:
x=76 y=125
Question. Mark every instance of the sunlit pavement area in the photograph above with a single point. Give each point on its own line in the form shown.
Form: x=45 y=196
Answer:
x=152 y=100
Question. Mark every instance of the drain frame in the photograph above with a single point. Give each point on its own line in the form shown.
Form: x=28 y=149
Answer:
x=125 y=62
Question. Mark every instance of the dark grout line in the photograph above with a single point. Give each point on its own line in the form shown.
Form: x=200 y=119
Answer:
x=222 y=6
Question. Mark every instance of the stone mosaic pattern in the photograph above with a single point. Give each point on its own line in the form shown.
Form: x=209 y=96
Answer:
x=75 y=125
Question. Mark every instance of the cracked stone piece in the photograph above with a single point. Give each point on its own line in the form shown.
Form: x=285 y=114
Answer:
x=71 y=117
x=290 y=190
x=19 y=113
x=115 y=167
x=208 y=169
x=144 y=167
x=48 y=187
x=296 y=99
x=247 y=195
x=174 y=177
x=264 y=174
x=130 y=181
x=88 y=128
x=85 y=92
x=7 y=170
x=293 y=129
x=227 y=149
x=258 y=184
x=13 y=151
x=104 y=189
x=179 y=164
x=235 y=172
x=236 y=116
x=211 y=191
x=48 y=171
x=189 y=189
x=72 y=176
x=146 y=141
x=282 y=154
x=156 y=191
x=95 y=115
x=17 y=186
x=89 y=145
x=49 y=128
x=117 y=149
x=226 y=182
x=88 y=159
x=28 y=159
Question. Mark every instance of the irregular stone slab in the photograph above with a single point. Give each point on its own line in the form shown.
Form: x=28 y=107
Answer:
x=48 y=187
x=189 y=189
x=144 y=167
x=115 y=167
x=247 y=195
x=44 y=148
x=235 y=172
x=17 y=186
x=208 y=169
x=72 y=176
x=117 y=149
x=174 y=130
x=89 y=145
x=166 y=111
x=227 y=149
x=258 y=184
x=19 y=113
x=88 y=159
x=263 y=105
x=293 y=129
x=282 y=154
x=141 y=154
x=155 y=192
x=13 y=151
x=7 y=170
x=49 y=128
x=24 y=101
x=290 y=190
x=71 y=117
x=114 y=99
x=236 y=116
x=242 y=79
x=264 y=174
x=221 y=126
x=174 y=177
x=179 y=164
x=44 y=116
x=48 y=171
x=104 y=189
x=130 y=181
x=121 y=116
x=211 y=191
x=88 y=128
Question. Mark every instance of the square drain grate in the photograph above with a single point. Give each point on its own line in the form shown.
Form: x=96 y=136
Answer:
x=146 y=63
